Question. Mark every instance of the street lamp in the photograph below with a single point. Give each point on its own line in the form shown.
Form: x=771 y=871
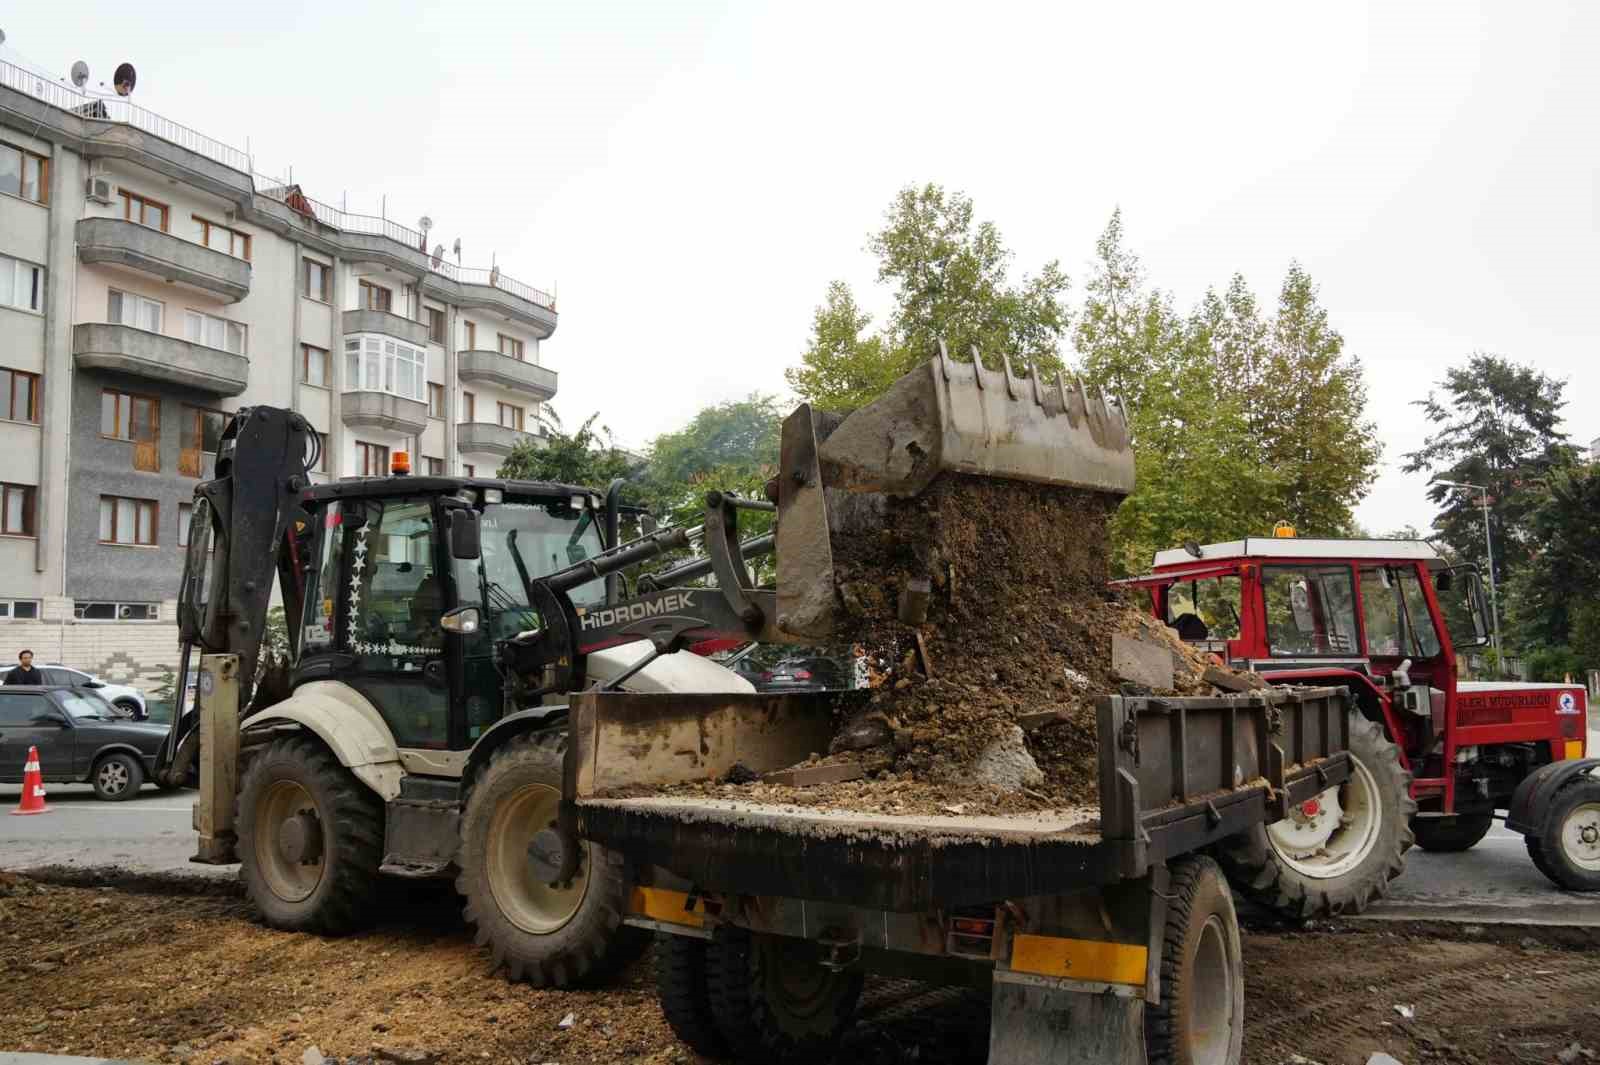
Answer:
x=1488 y=543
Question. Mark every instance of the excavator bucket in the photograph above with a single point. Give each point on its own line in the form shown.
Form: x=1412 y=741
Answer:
x=837 y=472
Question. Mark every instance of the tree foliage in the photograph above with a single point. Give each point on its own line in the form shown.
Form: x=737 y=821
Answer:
x=950 y=280
x=588 y=458
x=1498 y=426
x=730 y=446
x=1553 y=600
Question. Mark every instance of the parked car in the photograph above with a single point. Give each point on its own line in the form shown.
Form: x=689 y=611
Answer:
x=80 y=737
x=120 y=695
x=802 y=673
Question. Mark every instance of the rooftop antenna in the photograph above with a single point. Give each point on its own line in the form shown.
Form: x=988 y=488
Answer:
x=424 y=223
x=457 y=250
x=80 y=72
x=494 y=270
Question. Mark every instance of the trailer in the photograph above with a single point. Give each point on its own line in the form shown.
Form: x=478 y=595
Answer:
x=1101 y=934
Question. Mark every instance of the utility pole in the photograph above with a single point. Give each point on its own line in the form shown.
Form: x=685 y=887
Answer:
x=1488 y=543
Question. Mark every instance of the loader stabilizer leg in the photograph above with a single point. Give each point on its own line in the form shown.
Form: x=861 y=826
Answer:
x=219 y=759
x=1037 y=1019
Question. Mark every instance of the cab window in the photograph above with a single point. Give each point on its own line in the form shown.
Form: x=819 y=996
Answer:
x=1310 y=610
x=1395 y=613
x=1205 y=610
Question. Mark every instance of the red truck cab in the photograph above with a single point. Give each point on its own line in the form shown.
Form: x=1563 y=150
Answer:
x=1387 y=618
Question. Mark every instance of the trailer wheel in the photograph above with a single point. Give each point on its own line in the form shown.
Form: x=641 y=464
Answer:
x=1200 y=1020
x=1338 y=851
x=1433 y=834
x=1567 y=847
x=774 y=1001
x=681 y=984
x=546 y=933
x=310 y=839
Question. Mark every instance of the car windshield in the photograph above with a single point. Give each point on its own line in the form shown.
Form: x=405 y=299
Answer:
x=80 y=705
x=548 y=535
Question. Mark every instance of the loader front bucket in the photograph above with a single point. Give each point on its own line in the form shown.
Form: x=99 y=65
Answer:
x=943 y=417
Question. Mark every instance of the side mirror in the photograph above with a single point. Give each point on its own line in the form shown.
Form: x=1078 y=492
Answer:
x=46 y=720
x=94 y=683
x=464 y=541
x=463 y=620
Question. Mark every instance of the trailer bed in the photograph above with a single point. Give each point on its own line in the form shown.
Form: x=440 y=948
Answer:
x=1166 y=788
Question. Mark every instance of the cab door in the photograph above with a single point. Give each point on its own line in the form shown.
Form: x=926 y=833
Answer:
x=30 y=719
x=374 y=613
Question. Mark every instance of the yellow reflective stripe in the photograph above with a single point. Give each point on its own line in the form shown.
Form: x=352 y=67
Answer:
x=1574 y=748
x=665 y=906
x=1079 y=959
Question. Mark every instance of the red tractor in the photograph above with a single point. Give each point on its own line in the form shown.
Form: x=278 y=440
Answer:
x=1436 y=757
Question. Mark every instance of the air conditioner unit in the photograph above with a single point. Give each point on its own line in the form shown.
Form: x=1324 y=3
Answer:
x=97 y=189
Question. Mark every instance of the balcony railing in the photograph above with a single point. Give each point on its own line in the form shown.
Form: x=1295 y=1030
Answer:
x=120 y=110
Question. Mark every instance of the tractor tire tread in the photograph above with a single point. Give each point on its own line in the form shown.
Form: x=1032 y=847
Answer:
x=1544 y=846
x=683 y=988
x=1163 y=1027
x=749 y=1026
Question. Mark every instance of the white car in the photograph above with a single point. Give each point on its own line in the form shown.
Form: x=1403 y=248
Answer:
x=119 y=695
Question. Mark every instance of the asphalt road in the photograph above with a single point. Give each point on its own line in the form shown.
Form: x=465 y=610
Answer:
x=1492 y=883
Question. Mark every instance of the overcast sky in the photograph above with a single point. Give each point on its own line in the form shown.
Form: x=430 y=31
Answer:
x=690 y=176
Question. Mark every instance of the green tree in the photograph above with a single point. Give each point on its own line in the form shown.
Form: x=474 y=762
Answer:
x=1498 y=426
x=950 y=278
x=588 y=458
x=1553 y=600
x=730 y=446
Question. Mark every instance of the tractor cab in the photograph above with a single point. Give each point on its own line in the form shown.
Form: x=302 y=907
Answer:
x=1387 y=618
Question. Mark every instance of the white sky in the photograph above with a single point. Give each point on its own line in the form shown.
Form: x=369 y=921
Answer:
x=691 y=176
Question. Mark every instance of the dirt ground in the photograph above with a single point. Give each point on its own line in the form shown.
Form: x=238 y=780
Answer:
x=176 y=970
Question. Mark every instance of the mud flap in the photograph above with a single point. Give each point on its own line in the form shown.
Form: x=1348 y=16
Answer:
x=1035 y=1020
x=1533 y=795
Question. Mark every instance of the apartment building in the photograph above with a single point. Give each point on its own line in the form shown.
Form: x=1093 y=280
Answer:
x=150 y=283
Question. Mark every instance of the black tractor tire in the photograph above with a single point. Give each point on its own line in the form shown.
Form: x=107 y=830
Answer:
x=117 y=777
x=685 y=994
x=1200 y=1018
x=1560 y=849
x=1461 y=834
x=774 y=1002
x=326 y=881
x=1259 y=873
x=538 y=933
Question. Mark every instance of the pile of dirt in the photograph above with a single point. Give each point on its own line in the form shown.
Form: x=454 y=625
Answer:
x=985 y=703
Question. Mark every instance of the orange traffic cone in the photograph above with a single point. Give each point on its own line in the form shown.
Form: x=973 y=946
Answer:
x=32 y=787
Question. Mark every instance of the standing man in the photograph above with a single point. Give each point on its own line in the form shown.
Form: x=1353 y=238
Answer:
x=24 y=673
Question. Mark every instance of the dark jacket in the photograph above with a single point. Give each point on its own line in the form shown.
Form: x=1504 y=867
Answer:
x=31 y=675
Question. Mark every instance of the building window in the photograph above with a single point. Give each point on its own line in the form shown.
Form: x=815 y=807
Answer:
x=19 y=609
x=21 y=284
x=221 y=238
x=116 y=611
x=213 y=332
x=185 y=523
x=510 y=346
x=17 y=502
x=200 y=434
x=435 y=325
x=146 y=212
x=373 y=459
x=128 y=417
x=314 y=365
x=435 y=400
x=317 y=277
x=510 y=416
x=469 y=469
x=19 y=395
x=469 y=407
x=471 y=331
x=376 y=297
x=124 y=308
x=24 y=174
x=433 y=466
x=382 y=364
x=128 y=521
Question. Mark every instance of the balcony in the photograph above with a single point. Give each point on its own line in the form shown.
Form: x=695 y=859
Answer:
x=124 y=349
x=502 y=371
x=487 y=438
x=391 y=325
x=384 y=412
x=116 y=242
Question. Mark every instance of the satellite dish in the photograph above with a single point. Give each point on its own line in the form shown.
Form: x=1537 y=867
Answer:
x=438 y=253
x=424 y=223
x=125 y=75
x=494 y=276
x=80 y=73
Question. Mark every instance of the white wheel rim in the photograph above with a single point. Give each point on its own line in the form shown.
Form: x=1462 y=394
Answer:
x=1580 y=836
x=532 y=905
x=1329 y=835
x=1211 y=1021
x=113 y=778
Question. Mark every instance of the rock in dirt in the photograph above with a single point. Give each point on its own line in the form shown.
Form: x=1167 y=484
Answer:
x=1574 y=1052
x=1380 y=1058
x=861 y=732
x=1006 y=764
x=312 y=1056
x=739 y=773
x=405 y=1055
x=1142 y=662
x=567 y=1022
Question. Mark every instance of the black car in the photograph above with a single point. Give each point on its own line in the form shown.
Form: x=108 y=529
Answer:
x=80 y=737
